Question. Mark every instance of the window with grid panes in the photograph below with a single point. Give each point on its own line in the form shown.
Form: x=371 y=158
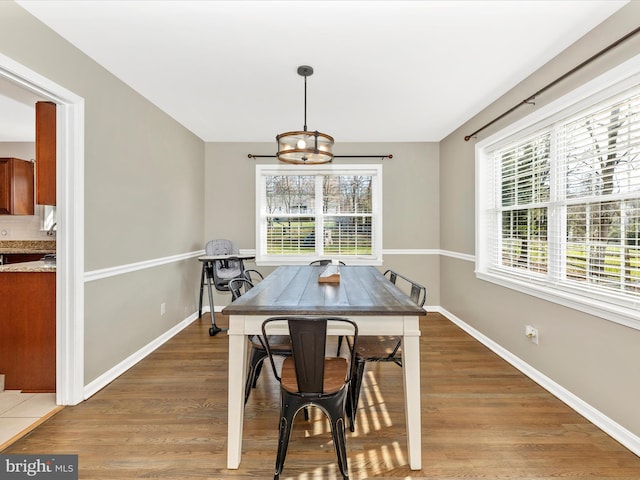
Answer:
x=305 y=213
x=559 y=204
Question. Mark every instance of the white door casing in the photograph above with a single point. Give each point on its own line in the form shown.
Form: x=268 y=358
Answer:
x=70 y=228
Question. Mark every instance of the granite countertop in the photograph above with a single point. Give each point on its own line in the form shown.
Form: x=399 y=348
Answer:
x=27 y=246
x=29 y=267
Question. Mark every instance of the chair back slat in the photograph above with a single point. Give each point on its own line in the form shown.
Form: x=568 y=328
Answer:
x=308 y=345
x=418 y=294
x=308 y=337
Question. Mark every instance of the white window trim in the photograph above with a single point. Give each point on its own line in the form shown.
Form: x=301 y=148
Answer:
x=280 y=169
x=623 y=76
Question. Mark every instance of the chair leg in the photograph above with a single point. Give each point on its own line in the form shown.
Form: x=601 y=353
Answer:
x=201 y=290
x=335 y=411
x=255 y=363
x=289 y=406
x=214 y=329
x=354 y=391
x=257 y=373
x=339 y=440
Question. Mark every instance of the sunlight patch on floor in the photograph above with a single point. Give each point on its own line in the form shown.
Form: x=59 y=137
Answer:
x=372 y=409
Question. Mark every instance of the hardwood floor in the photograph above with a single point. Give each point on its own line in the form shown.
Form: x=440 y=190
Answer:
x=482 y=419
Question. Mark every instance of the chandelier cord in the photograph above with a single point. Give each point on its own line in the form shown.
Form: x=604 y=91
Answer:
x=305 y=103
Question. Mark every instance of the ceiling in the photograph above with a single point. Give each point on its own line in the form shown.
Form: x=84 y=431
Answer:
x=17 y=113
x=384 y=70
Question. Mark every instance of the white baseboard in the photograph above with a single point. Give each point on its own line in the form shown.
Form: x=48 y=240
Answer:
x=606 y=424
x=110 y=375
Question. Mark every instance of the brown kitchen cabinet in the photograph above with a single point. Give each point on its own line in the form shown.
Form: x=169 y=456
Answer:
x=28 y=331
x=45 y=153
x=16 y=187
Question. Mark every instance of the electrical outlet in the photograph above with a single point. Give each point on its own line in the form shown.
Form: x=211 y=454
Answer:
x=5 y=233
x=532 y=334
x=163 y=308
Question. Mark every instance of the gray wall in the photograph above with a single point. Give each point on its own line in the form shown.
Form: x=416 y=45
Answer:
x=22 y=150
x=410 y=197
x=143 y=196
x=593 y=358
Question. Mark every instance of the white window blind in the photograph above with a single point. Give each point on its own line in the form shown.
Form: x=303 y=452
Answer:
x=306 y=213
x=520 y=238
x=559 y=204
x=600 y=186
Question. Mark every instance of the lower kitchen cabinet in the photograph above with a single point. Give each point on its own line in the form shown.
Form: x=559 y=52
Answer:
x=28 y=330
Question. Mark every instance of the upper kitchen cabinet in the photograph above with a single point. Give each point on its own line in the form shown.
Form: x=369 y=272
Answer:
x=16 y=187
x=45 y=153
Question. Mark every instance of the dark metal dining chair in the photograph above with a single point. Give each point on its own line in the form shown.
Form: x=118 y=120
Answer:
x=325 y=262
x=254 y=276
x=309 y=378
x=238 y=286
x=381 y=348
x=280 y=344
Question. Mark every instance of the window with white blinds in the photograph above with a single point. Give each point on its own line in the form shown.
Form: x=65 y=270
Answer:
x=524 y=203
x=307 y=213
x=559 y=204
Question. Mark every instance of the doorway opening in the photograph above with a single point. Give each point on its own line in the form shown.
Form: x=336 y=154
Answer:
x=70 y=219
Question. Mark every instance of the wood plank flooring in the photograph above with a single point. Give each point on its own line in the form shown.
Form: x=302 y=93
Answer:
x=482 y=419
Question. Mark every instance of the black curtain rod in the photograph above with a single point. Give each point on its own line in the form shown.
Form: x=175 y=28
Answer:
x=530 y=99
x=251 y=155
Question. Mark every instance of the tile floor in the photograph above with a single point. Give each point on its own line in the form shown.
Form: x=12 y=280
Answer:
x=18 y=411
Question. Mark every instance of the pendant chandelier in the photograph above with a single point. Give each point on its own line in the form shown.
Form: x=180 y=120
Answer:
x=305 y=147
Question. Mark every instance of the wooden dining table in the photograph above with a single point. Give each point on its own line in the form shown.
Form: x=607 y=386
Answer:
x=363 y=295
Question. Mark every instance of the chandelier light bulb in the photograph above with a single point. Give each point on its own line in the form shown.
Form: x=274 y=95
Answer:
x=301 y=144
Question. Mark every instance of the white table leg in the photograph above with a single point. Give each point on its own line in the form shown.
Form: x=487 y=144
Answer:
x=237 y=376
x=411 y=379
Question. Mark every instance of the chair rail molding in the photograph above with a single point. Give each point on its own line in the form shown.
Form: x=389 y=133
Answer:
x=99 y=274
x=134 y=267
x=460 y=256
x=429 y=251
